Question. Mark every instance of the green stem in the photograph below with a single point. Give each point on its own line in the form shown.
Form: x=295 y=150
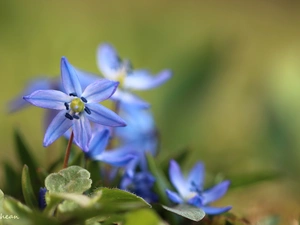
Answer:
x=68 y=150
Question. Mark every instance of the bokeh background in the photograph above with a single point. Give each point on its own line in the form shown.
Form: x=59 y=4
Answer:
x=234 y=99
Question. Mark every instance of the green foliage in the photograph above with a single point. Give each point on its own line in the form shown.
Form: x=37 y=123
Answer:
x=187 y=211
x=149 y=217
x=73 y=179
x=27 y=189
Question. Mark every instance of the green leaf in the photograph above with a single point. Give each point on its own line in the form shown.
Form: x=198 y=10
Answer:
x=1 y=200
x=24 y=154
x=12 y=181
x=147 y=216
x=28 y=193
x=161 y=183
x=73 y=179
x=187 y=211
x=19 y=213
x=114 y=196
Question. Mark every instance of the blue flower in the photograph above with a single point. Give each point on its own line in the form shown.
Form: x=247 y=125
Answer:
x=140 y=184
x=139 y=136
x=97 y=146
x=113 y=68
x=191 y=191
x=77 y=108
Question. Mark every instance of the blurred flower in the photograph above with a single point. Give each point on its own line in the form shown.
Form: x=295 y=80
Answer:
x=97 y=146
x=140 y=184
x=113 y=68
x=140 y=134
x=40 y=83
x=77 y=108
x=41 y=198
x=191 y=191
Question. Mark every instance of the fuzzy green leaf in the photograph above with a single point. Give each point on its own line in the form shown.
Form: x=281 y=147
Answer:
x=1 y=200
x=73 y=179
x=114 y=196
x=187 y=211
x=27 y=190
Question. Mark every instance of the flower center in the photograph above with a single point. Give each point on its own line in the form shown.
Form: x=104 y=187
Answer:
x=77 y=105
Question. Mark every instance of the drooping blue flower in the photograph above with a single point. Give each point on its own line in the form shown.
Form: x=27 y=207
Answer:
x=190 y=189
x=77 y=107
x=140 y=184
x=98 y=144
x=140 y=134
x=113 y=68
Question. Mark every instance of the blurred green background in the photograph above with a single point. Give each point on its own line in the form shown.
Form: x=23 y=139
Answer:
x=234 y=99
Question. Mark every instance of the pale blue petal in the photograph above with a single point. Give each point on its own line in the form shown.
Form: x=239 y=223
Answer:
x=209 y=210
x=49 y=117
x=177 y=178
x=86 y=78
x=108 y=61
x=69 y=78
x=41 y=83
x=196 y=177
x=129 y=98
x=143 y=80
x=49 y=99
x=174 y=197
x=82 y=131
x=98 y=143
x=102 y=115
x=57 y=127
x=117 y=157
x=215 y=192
x=99 y=90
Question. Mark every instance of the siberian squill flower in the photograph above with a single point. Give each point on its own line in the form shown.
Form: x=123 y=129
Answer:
x=113 y=68
x=97 y=149
x=139 y=136
x=190 y=189
x=140 y=184
x=76 y=107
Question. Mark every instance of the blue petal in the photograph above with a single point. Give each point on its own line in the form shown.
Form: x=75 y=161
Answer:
x=143 y=80
x=174 y=197
x=196 y=201
x=98 y=143
x=100 y=114
x=69 y=78
x=99 y=90
x=108 y=61
x=35 y=85
x=86 y=78
x=196 y=177
x=82 y=132
x=117 y=157
x=50 y=115
x=49 y=99
x=215 y=210
x=57 y=127
x=215 y=192
x=129 y=98
x=177 y=179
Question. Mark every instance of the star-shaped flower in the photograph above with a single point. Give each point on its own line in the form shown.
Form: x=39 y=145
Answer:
x=77 y=107
x=113 y=68
x=191 y=191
